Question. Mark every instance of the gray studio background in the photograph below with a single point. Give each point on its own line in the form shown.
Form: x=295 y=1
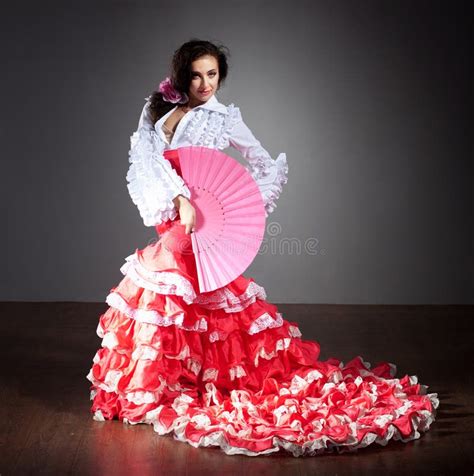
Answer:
x=368 y=99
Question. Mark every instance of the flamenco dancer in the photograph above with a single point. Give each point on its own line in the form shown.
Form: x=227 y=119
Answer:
x=224 y=368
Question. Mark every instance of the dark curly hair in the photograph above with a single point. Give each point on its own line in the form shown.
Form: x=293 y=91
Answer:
x=180 y=74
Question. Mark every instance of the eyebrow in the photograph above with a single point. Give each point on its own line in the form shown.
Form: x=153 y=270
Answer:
x=197 y=72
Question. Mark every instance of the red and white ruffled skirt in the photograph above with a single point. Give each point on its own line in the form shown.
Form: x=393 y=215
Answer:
x=225 y=369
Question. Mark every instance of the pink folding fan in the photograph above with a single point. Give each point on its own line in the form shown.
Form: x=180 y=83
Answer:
x=230 y=214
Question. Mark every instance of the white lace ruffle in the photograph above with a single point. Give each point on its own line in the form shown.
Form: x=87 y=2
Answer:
x=195 y=125
x=166 y=282
x=241 y=400
x=270 y=179
x=110 y=381
x=194 y=366
x=204 y=128
x=281 y=344
x=152 y=181
x=231 y=119
x=217 y=335
x=237 y=372
x=269 y=174
x=294 y=331
x=161 y=282
x=138 y=397
x=265 y=321
x=210 y=374
x=152 y=316
x=211 y=129
x=223 y=298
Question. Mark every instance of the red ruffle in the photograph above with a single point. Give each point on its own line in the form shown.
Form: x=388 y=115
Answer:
x=242 y=380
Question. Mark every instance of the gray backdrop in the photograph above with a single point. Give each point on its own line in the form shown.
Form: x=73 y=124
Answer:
x=368 y=99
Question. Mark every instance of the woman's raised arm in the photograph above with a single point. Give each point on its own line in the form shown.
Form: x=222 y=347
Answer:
x=269 y=174
x=152 y=181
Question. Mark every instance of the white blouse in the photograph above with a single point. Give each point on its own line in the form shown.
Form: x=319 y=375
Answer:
x=153 y=183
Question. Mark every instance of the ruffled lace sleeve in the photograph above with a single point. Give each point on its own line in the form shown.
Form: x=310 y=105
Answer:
x=269 y=174
x=152 y=181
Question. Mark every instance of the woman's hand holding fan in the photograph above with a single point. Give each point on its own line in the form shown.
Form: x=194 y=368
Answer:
x=187 y=213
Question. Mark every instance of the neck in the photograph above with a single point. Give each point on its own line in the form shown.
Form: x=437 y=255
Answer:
x=192 y=103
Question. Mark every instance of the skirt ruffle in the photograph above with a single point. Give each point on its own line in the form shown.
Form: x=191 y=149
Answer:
x=225 y=369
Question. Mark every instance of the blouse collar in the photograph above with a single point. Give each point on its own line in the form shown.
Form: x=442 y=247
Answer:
x=212 y=104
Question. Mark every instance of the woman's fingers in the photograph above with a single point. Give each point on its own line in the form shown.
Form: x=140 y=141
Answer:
x=189 y=225
x=188 y=217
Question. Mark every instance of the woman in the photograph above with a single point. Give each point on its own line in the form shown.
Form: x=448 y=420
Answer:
x=223 y=368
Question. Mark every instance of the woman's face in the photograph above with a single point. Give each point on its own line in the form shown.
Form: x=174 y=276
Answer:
x=204 y=78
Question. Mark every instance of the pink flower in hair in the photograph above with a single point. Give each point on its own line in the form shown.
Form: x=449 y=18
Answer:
x=171 y=94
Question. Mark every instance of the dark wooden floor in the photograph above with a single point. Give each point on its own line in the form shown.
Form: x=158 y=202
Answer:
x=46 y=427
